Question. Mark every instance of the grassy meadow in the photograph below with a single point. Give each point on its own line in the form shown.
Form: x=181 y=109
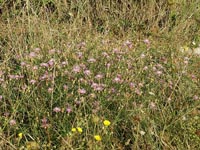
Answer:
x=99 y=75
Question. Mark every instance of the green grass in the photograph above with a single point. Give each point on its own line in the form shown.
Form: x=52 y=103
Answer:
x=67 y=65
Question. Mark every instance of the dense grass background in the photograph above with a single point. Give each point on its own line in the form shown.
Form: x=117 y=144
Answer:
x=74 y=64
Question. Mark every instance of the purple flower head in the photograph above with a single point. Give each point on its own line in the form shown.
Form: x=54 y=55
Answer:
x=32 y=81
x=76 y=69
x=44 y=123
x=152 y=105
x=158 y=73
x=82 y=66
x=138 y=92
x=97 y=87
x=12 y=122
x=65 y=87
x=82 y=91
x=77 y=102
x=50 y=90
x=23 y=64
x=64 y=63
x=79 y=55
x=117 y=79
x=44 y=120
x=128 y=43
x=35 y=67
x=91 y=60
x=68 y=109
x=6 y=114
x=1 y=80
x=32 y=54
x=108 y=65
x=57 y=109
x=99 y=76
x=146 y=41
x=132 y=85
x=145 y=68
x=116 y=51
x=51 y=62
x=87 y=72
x=195 y=97
x=44 y=65
x=112 y=90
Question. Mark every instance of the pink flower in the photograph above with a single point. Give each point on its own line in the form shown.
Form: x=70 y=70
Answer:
x=145 y=68
x=1 y=80
x=82 y=66
x=98 y=87
x=35 y=67
x=87 y=72
x=64 y=63
x=82 y=91
x=69 y=110
x=50 y=90
x=152 y=105
x=65 y=87
x=51 y=62
x=32 y=81
x=99 y=76
x=44 y=65
x=23 y=64
x=32 y=54
x=12 y=122
x=195 y=97
x=117 y=79
x=128 y=43
x=91 y=60
x=158 y=72
x=57 y=109
x=79 y=55
x=76 y=69
x=44 y=120
x=116 y=51
x=138 y=92
x=132 y=85
x=146 y=41
x=112 y=90
x=44 y=123
x=140 y=84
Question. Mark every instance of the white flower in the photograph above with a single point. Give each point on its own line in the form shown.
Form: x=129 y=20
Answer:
x=142 y=133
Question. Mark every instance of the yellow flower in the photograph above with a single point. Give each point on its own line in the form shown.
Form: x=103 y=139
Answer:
x=79 y=129
x=73 y=129
x=32 y=145
x=20 y=135
x=97 y=137
x=106 y=122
